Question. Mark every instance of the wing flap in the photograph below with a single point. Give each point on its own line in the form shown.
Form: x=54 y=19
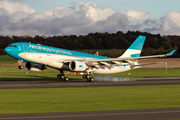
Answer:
x=117 y=62
x=105 y=63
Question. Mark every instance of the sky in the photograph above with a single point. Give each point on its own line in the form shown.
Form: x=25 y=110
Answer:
x=156 y=8
x=80 y=17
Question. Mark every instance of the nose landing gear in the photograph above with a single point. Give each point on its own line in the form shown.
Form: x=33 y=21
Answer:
x=20 y=64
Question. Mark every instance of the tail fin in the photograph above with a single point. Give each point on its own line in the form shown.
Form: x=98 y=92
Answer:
x=135 y=49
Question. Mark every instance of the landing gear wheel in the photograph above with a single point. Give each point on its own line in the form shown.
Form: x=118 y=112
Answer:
x=62 y=77
x=58 y=76
x=20 y=67
x=88 y=76
x=91 y=79
x=66 y=79
x=84 y=76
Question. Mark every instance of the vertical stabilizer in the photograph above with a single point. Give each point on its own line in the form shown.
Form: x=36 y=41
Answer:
x=135 y=49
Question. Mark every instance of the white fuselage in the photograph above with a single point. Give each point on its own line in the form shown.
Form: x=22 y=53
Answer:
x=55 y=60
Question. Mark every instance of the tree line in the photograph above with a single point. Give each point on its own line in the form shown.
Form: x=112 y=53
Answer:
x=154 y=44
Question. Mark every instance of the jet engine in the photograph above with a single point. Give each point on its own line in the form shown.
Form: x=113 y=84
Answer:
x=77 y=66
x=34 y=67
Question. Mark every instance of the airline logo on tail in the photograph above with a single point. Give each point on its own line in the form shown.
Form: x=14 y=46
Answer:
x=135 y=49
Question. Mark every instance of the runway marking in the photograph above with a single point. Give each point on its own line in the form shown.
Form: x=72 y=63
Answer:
x=88 y=115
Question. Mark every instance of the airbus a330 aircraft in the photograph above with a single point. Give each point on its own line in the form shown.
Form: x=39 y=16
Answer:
x=37 y=57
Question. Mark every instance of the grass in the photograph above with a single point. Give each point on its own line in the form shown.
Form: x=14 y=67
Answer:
x=33 y=76
x=13 y=73
x=14 y=101
x=7 y=59
x=138 y=73
x=11 y=68
x=15 y=69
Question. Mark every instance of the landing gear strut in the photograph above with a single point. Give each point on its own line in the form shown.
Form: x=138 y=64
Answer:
x=61 y=76
x=89 y=79
x=20 y=66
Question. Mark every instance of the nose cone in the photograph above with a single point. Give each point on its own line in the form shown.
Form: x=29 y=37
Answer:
x=9 y=50
x=6 y=50
x=12 y=51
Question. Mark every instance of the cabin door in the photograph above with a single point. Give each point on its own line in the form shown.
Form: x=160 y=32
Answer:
x=25 y=48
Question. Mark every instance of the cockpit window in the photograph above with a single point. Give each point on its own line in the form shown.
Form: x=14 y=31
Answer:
x=12 y=46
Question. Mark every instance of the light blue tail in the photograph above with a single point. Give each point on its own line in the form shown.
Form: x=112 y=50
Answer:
x=135 y=49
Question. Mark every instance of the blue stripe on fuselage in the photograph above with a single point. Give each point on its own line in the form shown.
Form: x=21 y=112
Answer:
x=37 y=48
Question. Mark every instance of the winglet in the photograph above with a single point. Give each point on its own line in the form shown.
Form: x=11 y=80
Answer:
x=172 y=52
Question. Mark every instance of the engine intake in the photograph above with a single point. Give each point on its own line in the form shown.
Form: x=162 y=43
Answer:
x=34 y=67
x=77 y=66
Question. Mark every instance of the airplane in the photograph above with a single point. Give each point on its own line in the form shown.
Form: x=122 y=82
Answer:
x=38 y=56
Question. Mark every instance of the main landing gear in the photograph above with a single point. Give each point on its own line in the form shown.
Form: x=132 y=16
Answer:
x=89 y=79
x=61 y=76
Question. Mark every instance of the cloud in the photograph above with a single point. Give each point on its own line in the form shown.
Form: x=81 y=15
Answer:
x=20 y=19
x=13 y=6
x=94 y=12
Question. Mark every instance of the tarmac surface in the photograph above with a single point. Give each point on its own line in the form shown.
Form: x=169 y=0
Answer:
x=84 y=83
x=143 y=114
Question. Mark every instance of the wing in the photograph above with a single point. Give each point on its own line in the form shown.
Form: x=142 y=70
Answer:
x=97 y=62
x=108 y=62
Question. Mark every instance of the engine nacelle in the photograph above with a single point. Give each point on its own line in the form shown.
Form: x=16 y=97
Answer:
x=77 y=66
x=34 y=67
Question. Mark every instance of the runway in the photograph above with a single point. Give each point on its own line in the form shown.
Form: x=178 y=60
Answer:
x=143 y=114
x=83 y=83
